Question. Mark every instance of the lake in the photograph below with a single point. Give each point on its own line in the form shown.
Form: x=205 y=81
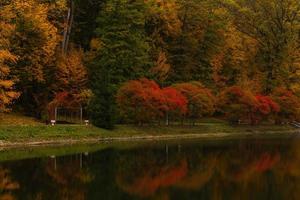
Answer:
x=233 y=169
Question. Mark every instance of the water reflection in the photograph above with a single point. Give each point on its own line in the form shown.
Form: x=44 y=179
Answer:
x=257 y=169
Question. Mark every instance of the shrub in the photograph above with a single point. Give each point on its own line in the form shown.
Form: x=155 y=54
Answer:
x=266 y=107
x=237 y=104
x=289 y=105
x=144 y=101
x=201 y=101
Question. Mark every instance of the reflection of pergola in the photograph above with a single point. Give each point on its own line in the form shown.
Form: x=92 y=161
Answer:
x=66 y=108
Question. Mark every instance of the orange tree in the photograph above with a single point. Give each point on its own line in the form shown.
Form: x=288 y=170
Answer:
x=174 y=103
x=237 y=104
x=266 y=107
x=289 y=104
x=139 y=101
x=201 y=101
x=144 y=101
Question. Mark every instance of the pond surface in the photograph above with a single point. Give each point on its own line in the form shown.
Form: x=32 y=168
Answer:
x=237 y=169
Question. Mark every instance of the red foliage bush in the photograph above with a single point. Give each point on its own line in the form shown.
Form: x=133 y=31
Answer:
x=289 y=104
x=266 y=105
x=238 y=104
x=174 y=100
x=143 y=101
x=201 y=101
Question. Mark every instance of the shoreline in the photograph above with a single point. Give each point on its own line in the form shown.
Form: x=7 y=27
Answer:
x=6 y=145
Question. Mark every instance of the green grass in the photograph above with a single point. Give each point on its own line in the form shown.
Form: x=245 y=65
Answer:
x=27 y=129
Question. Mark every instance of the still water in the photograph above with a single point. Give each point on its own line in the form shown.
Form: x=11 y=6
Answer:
x=237 y=169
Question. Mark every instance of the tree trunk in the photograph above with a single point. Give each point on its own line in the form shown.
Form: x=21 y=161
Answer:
x=68 y=27
x=167 y=119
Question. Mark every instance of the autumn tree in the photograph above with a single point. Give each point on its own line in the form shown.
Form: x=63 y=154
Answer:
x=7 y=93
x=266 y=107
x=237 y=104
x=174 y=103
x=234 y=63
x=140 y=101
x=201 y=101
x=143 y=101
x=289 y=104
x=71 y=72
x=274 y=24
x=198 y=40
x=34 y=43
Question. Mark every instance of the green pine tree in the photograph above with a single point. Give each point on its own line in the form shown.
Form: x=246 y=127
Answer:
x=123 y=55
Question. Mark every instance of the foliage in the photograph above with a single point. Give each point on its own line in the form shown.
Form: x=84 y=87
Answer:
x=34 y=42
x=201 y=101
x=7 y=92
x=289 y=104
x=237 y=104
x=274 y=24
x=102 y=108
x=174 y=100
x=144 y=101
x=252 y=45
x=125 y=45
x=71 y=72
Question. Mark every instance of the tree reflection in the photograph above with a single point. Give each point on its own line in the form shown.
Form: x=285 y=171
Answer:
x=71 y=180
x=7 y=185
x=248 y=171
x=238 y=170
x=143 y=175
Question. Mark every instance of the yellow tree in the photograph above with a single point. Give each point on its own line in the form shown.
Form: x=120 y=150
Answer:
x=7 y=94
x=274 y=24
x=235 y=64
x=71 y=72
x=34 y=42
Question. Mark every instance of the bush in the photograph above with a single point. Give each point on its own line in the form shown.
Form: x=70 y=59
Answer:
x=201 y=101
x=238 y=104
x=266 y=107
x=289 y=105
x=143 y=101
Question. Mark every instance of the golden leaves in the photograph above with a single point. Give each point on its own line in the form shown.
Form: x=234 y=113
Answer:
x=71 y=71
x=36 y=38
x=7 y=95
x=162 y=67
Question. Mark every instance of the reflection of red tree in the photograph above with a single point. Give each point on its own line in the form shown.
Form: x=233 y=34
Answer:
x=266 y=162
x=149 y=182
x=200 y=175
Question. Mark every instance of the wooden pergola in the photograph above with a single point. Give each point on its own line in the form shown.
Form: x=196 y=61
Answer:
x=66 y=108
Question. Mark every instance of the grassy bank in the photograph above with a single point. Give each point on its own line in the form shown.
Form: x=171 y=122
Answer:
x=27 y=131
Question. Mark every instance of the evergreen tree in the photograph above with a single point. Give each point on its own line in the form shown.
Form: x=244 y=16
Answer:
x=123 y=55
x=102 y=106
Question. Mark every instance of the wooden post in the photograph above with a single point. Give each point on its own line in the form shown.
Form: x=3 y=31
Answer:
x=167 y=119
